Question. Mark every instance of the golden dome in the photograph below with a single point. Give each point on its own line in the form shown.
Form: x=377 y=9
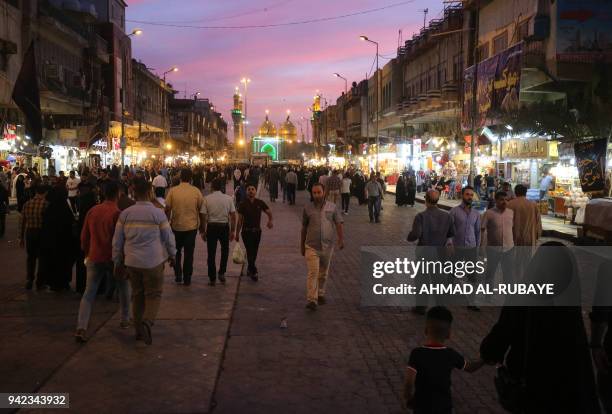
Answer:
x=287 y=130
x=267 y=129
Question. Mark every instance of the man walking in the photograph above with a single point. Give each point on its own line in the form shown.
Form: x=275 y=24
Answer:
x=217 y=226
x=333 y=187
x=159 y=185
x=142 y=243
x=466 y=223
x=97 y=246
x=249 y=222
x=72 y=185
x=321 y=224
x=526 y=228
x=29 y=235
x=497 y=236
x=374 y=193
x=347 y=184
x=292 y=180
x=237 y=177
x=432 y=230
x=183 y=208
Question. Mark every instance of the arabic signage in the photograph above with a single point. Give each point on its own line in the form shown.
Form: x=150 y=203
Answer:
x=9 y=132
x=498 y=86
x=591 y=163
x=528 y=148
x=584 y=33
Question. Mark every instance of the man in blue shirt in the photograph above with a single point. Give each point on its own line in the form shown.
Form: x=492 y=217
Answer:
x=545 y=184
x=466 y=223
x=142 y=244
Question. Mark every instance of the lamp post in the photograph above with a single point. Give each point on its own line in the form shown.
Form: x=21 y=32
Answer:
x=171 y=70
x=366 y=39
x=122 y=141
x=246 y=82
x=195 y=96
x=345 y=106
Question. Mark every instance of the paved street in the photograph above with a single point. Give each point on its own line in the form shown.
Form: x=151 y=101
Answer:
x=221 y=349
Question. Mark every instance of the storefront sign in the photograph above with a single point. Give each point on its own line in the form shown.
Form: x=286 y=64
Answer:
x=9 y=132
x=525 y=148
x=100 y=145
x=498 y=86
x=116 y=144
x=591 y=163
x=584 y=34
x=67 y=134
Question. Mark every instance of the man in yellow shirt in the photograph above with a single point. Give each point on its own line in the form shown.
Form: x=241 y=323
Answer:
x=183 y=205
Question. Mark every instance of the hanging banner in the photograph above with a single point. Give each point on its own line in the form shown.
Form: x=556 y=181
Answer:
x=498 y=86
x=468 y=96
x=487 y=71
x=591 y=163
x=508 y=80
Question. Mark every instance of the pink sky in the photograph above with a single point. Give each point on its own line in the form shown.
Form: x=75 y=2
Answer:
x=287 y=65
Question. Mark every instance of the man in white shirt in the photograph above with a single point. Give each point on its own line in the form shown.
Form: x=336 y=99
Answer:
x=72 y=185
x=497 y=236
x=218 y=225
x=346 y=193
x=237 y=176
x=160 y=184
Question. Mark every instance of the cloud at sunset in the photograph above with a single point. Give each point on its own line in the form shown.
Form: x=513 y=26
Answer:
x=287 y=64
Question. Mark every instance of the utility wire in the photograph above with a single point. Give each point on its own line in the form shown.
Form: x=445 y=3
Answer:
x=266 y=26
x=229 y=17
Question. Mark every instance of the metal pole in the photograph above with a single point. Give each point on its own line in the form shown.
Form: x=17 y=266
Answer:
x=345 y=113
x=474 y=92
x=368 y=124
x=246 y=120
x=377 y=108
x=122 y=141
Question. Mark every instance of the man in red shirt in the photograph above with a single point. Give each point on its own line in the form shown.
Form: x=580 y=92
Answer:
x=97 y=244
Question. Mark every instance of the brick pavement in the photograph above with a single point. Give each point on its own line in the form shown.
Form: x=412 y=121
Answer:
x=344 y=357
x=222 y=348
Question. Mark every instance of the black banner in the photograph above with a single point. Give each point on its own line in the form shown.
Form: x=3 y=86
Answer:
x=26 y=95
x=591 y=162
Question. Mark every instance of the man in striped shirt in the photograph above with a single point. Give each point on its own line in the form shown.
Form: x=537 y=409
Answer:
x=143 y=242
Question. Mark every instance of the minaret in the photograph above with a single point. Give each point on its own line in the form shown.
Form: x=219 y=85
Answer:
x=238 y=119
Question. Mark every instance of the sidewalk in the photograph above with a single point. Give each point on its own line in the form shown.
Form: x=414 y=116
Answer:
x=551 y=226
x=113 y=372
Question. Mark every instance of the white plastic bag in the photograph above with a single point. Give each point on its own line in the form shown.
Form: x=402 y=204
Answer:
x=239 y=254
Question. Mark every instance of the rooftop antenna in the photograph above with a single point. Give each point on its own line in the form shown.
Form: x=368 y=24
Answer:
x=425 y=12
x=400 y=39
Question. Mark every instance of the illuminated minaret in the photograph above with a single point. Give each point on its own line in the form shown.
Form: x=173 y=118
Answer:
x=238 y=119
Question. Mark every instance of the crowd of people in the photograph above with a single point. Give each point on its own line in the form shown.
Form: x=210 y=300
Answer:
x=118 y=229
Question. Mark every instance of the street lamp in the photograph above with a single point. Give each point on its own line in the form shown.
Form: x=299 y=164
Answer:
x=246 y=82
x=135 y=32
x=195 y=95
x=366 y=39
x=344 y=109
x=172 y=69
